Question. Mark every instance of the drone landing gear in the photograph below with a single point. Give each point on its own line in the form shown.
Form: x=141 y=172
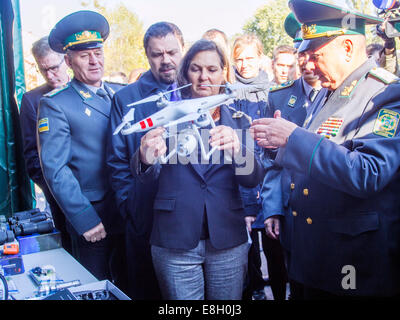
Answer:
x=187 y=143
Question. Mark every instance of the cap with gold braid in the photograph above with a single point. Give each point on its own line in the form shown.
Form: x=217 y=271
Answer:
x=322 y=21
x=79 y=31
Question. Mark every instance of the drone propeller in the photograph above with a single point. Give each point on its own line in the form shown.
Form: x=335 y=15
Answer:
x=240 y=86
x=130 y=116
x=237 y=86
x=157 y=96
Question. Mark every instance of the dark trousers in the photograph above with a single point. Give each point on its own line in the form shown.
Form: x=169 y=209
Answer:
x=58 y=218
x=142 y=280
x=296 y=288
x=105 y=259
x=317 y=294
x=276 y=266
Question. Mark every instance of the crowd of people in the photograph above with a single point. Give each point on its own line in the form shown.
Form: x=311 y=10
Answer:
x=321 y=192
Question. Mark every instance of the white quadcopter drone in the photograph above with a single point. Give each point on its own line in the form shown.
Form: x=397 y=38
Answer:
x=195 y=112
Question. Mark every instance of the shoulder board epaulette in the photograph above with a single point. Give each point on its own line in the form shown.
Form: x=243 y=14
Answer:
x=281 y=86
x=55 y=91
x=383 y=75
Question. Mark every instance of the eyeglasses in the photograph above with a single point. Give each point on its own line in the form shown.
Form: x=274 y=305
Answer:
x=53 y=69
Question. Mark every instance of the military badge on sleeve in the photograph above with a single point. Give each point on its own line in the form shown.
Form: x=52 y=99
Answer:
x=43 y=125
x=386 y=123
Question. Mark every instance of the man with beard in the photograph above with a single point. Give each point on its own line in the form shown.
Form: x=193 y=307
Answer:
x=163 y=43
x=344 y=168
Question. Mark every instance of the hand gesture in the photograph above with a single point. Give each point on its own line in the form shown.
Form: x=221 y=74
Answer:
x=152 y=146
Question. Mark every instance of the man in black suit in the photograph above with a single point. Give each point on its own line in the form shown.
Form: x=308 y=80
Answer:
x=163 y=43
x=54 y=71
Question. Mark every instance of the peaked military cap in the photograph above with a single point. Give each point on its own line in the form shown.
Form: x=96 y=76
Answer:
x=79 y=31
x=322 y=21
x=293 y=29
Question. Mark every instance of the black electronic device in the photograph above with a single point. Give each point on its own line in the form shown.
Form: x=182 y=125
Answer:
x=29 y=228
x=21 y=215
x=34 y=218
x=102 y=294
x=6 y=236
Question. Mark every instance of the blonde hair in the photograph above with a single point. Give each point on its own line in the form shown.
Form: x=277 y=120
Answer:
x=244 y=41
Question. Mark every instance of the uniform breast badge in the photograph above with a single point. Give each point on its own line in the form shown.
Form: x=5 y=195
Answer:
x=292 y=101
x=88 y=112
x=331 y=127
x=386 y=123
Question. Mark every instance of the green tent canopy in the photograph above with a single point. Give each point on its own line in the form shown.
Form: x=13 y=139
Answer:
x=15 y=187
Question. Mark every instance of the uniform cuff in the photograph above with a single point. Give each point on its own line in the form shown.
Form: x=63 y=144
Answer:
x=85 y=220
x=298 y=154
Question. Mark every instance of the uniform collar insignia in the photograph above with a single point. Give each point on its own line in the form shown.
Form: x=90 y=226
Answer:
x=349 y=89
x=86 y=94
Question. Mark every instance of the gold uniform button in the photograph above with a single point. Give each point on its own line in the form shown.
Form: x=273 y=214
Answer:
x=305 y=192
x=292 y=186
x=309 y=220
x=294 y=214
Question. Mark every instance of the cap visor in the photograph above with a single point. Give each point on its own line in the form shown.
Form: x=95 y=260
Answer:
x=86 y=46
x=313 y=44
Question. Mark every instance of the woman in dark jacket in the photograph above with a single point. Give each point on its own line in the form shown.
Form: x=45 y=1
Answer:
x=199 y=238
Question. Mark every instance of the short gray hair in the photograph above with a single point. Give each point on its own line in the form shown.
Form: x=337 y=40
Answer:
x=41 y=48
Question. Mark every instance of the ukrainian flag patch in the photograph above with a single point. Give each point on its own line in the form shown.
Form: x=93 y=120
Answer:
x=43 y=125
x=386 y=123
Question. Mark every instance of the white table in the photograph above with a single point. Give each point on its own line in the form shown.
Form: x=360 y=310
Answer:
x=66 y=267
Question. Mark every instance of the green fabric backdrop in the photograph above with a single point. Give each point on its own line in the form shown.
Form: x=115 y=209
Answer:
x=15 y=188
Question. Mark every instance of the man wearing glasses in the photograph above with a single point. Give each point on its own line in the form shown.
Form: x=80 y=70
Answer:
x=54 y=71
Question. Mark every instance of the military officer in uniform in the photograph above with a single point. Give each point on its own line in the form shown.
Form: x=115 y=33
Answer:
x=163 y=43
x=294 y=100
x=72 y=129
x=52 y=66
x=344 y=169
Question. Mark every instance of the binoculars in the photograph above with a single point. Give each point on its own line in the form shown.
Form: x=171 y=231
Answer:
x=28 y=228
x=25 y=223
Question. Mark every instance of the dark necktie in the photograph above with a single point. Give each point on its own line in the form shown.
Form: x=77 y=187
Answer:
x=174 y=94
x=103 y=94
x=313 y=94
x=315 y=108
